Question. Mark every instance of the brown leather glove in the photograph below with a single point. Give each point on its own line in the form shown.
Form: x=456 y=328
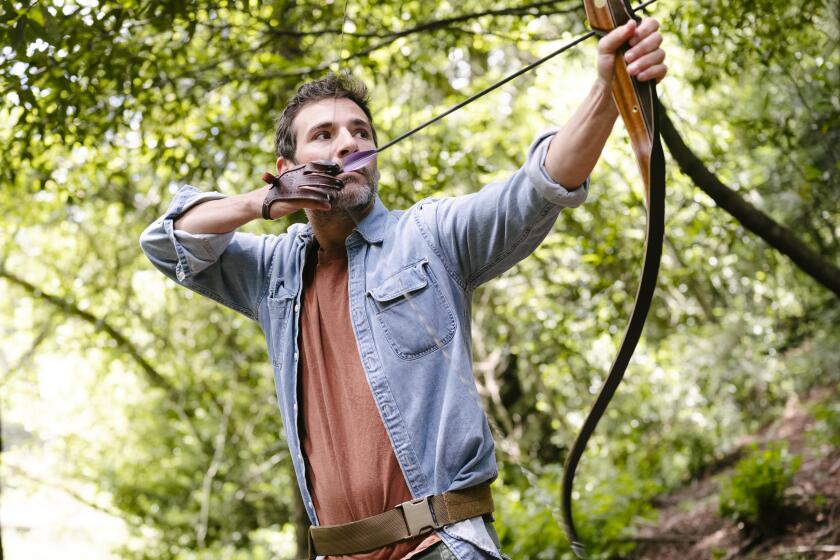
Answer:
x=315 y=180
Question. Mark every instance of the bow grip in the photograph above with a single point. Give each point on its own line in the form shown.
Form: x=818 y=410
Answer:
x=635 y=100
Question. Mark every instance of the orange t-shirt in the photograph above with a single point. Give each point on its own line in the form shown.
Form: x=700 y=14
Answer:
x=351 y=467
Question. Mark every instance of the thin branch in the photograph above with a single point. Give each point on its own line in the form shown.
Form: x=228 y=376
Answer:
x=25 y=474
x=69 y=307
x=259 y=470
x=434 y=25
x=530 y=39
x=153 y=376
x=693 y=284
x=41 y=337
x=742 y=549
x=527 y=9
x=209 y=476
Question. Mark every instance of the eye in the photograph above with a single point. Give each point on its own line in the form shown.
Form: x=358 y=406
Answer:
x=322 y=135
x=363 y=133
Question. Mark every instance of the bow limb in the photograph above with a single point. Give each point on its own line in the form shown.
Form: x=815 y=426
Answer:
x=639 y=108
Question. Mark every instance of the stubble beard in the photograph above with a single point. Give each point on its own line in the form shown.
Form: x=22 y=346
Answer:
x=358 y=192
x=352 y=200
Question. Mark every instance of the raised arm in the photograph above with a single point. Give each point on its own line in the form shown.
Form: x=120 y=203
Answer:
x=575 y=149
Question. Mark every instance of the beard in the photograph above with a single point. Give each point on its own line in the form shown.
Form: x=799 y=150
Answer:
x=359 y=191
x=352 y=201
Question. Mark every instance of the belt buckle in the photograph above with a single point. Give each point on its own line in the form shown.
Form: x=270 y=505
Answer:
x=418 y=516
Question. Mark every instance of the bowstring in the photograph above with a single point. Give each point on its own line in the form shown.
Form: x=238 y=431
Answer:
x=422 y=314
x=425 y=323
x=411 y=299
x=466 y=378
x=338 y=71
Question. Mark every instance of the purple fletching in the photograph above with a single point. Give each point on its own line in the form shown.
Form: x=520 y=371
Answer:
x=357 y=160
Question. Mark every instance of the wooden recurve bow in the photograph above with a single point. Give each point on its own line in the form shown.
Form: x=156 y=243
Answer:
x=639 y=108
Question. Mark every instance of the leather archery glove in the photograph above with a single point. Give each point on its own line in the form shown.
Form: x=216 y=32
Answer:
x=313 y=181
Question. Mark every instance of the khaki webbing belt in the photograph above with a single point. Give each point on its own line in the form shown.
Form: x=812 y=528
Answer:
x=407 y=520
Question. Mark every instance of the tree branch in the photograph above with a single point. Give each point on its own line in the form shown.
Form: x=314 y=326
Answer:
x=40 y=338
x=435 y=25
x=209 y=476
x=774 y=234
x=527 y=9
x=23 y=473
x=152 y=375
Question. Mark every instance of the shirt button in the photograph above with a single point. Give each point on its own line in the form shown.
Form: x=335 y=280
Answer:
x=297 y=307
x=296 y=356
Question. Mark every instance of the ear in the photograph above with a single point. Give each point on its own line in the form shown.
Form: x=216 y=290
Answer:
x=283 y=165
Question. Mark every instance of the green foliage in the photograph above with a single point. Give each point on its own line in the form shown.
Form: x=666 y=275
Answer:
x=755 y=493
x=106 y=108
x=607 y=504
x=827 y=416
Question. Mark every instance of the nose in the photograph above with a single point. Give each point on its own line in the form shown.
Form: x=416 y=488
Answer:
x=345 y=143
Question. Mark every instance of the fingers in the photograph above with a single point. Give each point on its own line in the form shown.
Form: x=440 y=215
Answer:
x=644 y=64
x=323 y=166
x=318 y=180
x=646 y=45
x=311 y=193
x=304 y=186
x=657 y=73
x=645 y=58
x=644 y=28
x=303 y=197
x=307 y=194
x=612 y=41
x=284 y=207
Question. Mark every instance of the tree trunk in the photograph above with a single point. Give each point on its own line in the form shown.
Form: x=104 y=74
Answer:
x=776 y=235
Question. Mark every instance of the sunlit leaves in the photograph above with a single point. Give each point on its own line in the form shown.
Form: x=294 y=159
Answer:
x=106 y=110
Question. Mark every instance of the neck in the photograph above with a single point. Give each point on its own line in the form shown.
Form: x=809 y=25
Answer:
x=331 y=228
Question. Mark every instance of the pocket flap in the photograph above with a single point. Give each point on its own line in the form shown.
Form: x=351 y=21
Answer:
x=279 y=294
x=403 y=282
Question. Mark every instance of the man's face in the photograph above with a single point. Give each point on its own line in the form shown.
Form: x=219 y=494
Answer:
x=332 y=129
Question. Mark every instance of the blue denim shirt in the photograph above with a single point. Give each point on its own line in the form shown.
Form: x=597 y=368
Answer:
x=411 y=277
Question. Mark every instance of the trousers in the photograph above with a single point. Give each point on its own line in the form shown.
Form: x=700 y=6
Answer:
x=438 y=552
x=441 y=552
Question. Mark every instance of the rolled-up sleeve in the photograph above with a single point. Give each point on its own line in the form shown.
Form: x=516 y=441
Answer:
x=480 y=235
x=227 y=267
x=540 y=179
x=189 y=253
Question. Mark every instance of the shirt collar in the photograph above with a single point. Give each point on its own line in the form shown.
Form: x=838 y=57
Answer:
x=372 y=226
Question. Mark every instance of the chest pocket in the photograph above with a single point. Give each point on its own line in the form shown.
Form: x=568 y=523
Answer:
x=279 y=303
x=413 y=313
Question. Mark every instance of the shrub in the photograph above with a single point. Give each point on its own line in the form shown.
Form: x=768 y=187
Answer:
x=754 y=493
x=827 y=430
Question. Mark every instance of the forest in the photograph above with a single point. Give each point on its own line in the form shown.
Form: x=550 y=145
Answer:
x=140 y=420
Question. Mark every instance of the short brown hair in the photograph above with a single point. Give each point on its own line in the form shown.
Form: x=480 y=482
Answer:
x=331 y=86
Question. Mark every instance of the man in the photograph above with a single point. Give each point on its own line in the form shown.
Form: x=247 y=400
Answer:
x=366 y=312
